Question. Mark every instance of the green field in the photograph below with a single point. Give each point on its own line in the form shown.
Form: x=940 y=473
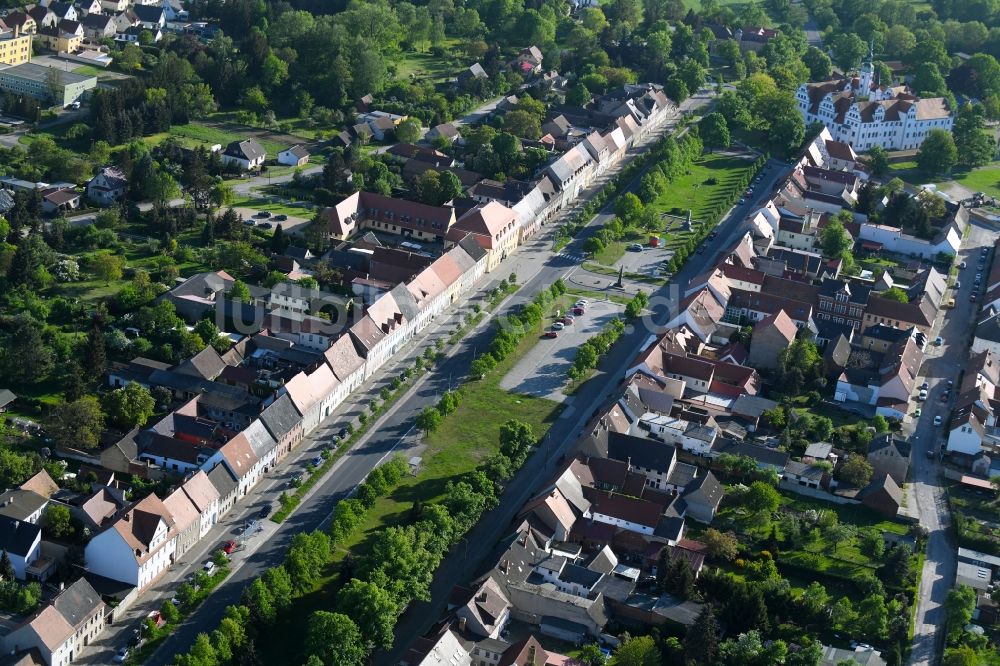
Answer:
x=425 y=65
x=276 y=208
x=984 y=179
x=195 y=134
x=696 y=191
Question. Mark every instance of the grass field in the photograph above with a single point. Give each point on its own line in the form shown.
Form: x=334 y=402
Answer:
x=195 y=134
x=428 y=66
x=698 y=192
x=464 y=439
x=984 y=179
x=276 y=208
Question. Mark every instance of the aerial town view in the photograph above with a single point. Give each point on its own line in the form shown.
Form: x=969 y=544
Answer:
x=500 y=332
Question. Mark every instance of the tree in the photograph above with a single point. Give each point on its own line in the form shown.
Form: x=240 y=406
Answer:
x=721 y=545
x=239 y=291
x=7 y=568
x=762 y=498
x=107 y=267
x=638 y=651
x=335 y=639
x=958 y=607
x=848 y=50
x=57 y=521
x=522 y=124
x=714 y=130
x=873 y=618
x=895 y=294
x=938 y=153
x=429 y=420
x=819 y=64
x=878 y=160
x=856 y=471
x=408 y=130
x=578 y=95
x=834 y=239
x=975 y=144
x=372 y=608
x=130 y=406
x=76 y=424
x=701 y=642
x=591 y=655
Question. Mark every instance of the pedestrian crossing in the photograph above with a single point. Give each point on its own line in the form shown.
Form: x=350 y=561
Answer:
x=571 y=256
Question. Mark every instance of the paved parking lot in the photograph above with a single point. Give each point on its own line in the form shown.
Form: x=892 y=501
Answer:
x=645 y=262
x=542 y=371
x=291 y=225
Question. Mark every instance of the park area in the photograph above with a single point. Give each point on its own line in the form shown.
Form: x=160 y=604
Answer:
x=704 y=184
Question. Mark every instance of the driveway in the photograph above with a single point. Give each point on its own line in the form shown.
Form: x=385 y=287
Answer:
x=544 y=370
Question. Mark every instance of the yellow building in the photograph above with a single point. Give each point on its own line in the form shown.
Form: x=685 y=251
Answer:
x=58 y=40
x=15 y=48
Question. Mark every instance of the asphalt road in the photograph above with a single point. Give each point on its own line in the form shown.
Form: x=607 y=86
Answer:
x=940 y=365
x=536 y=268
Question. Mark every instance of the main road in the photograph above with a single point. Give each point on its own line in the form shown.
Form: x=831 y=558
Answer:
x=942 y=364
x=537 y=269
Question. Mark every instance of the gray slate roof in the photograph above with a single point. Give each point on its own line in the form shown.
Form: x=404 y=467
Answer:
x=223 y=480
x=78 y=602
x=280 y=417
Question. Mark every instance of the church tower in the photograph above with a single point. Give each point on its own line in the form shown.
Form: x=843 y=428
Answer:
x=867 y=74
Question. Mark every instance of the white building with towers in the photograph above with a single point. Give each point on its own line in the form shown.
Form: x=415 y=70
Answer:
x=864 y=112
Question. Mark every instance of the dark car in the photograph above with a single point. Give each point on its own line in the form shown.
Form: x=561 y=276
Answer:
x=265 y=225
x=579 y=311
x=265 y=511
x=343 y=433
x=263 y=213
x=280 y=218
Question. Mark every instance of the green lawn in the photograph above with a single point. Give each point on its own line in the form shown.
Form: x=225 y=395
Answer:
x=427 y=65
x=194 y=133
x=610 y=255
x=984 y=179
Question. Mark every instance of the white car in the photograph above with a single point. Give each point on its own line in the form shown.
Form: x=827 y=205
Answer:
x=582 y=303
x=922 y=395
x=937 y=420
x=209 y=566
x=558 y=326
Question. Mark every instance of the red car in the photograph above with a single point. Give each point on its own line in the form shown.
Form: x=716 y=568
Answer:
x=229 y=547
x=552 y=334
x=578 y=311
x=567 y=320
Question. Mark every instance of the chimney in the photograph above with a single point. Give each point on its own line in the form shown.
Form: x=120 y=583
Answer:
x=461 y=623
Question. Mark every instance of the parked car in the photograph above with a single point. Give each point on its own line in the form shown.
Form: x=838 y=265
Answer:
x=945 y=396
x=264 y=225
x=317 y=461
x=701 y=249
x=962 y=265
x=249 y=223
x=938 y=341
x=743 y=201
x=937 y=420
x=208 y=566
x=582 y=303
x=922 y=395
x=567 y=320
x=122 y=655
x=579 y=311
x=635 y=247
x=558 y=326
x=924 y=386
x=918 y=412
x=265 y=511
x=229 y=547
x=972 y=298
x=343 y=433
x=958 y=284
x=280 y=218
x=263 y=213
x=552 y=334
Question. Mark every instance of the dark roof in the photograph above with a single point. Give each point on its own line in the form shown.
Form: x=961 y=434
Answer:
x=97 y=21
x=223 y=480
x=640 y=451
x=148 y=13
x=21 y=504
x=247 y=149
x=574 y=573
x=707 y=486
x=206 y=364
x=17 y=536
x=78 y=602
x=6 y=397
x=281 y=417
x=885 y=440
x=761 y=454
